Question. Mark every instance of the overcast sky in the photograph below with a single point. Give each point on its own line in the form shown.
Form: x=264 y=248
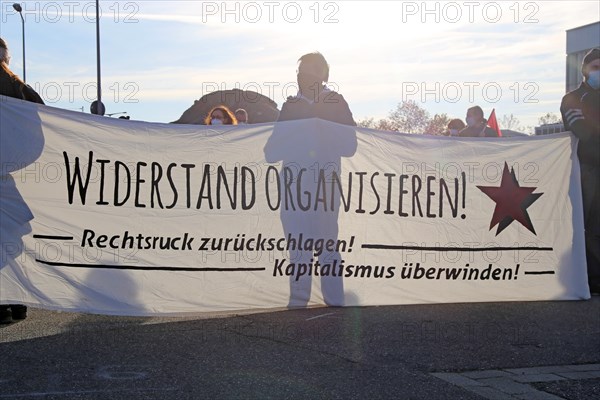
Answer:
x=160 y=56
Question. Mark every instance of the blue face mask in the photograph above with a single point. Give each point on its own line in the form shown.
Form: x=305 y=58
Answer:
x=593 y=79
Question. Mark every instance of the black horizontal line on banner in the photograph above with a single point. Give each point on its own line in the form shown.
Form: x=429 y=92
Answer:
x=539 y=273
x=397 y=247
x=143 y=268
x=53 y=237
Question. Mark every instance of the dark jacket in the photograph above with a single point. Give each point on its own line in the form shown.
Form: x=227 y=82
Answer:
x=329 y=106
x=13 y=87
x=476 y=131
x=580 y=111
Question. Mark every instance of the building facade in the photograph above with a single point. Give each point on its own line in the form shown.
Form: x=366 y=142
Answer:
x=547 y=129
x=580 y=40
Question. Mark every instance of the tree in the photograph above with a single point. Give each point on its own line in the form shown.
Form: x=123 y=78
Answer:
x=510 y=122
x=438 y=124
x=549 y=118
x=409 y=117
x=382 y=125
x=368 y=122
x=385 y=125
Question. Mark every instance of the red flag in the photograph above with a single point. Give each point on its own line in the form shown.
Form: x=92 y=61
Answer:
x=493 y=123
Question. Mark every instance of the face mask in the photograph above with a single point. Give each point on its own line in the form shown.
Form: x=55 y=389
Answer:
x=216 y=121
x=471 y=121
x=593 y=79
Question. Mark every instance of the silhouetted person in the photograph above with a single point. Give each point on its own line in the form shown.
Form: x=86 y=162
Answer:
x=477 y=124
x=300 y=152
x=314 y=99
x=580 y=111
x=12 y=86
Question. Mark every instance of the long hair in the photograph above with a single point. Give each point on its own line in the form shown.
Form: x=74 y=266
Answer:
x=10 y=73
x=4 y=61
x=3 y=51
x=229 y=117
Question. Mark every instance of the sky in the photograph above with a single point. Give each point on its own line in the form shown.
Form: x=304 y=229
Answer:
x=157 y=57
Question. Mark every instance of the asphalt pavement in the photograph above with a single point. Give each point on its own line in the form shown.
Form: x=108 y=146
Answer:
x=520 y=350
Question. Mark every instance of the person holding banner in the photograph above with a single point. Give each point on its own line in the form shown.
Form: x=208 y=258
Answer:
x=12 y=86
x=454 y=127
x=477 y=125
x=580 y=111
x=242 y=116
x=314 y=99
x=301 y=152
x=220 y=115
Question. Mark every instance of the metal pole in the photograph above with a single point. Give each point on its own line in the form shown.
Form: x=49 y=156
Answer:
x=23 y=29
x=17 y=7
x=98 y=50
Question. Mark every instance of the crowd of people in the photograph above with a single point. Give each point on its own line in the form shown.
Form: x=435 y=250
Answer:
x=580 y=111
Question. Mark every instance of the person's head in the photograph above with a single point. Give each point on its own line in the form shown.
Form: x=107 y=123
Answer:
x=474 y=116
x=4 y=54
x=241 y=115
x=313 y=71
x=454 y=126
x=220 y=115
x=590 y=68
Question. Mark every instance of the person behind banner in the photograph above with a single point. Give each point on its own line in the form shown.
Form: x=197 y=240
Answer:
x=454 y=127
x=12 y=86
x=580 y=111
x=242 y=116
x=314 y=99
x=301 y=147
x=220 y=115
x=300 y=150
x=477 y=125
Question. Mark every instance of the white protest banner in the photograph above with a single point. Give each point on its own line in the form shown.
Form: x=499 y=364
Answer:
x=132 y=218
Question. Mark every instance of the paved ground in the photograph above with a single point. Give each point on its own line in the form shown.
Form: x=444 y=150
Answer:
x=536 y=350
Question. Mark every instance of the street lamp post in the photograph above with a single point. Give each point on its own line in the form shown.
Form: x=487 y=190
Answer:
x=19 y=9
x=97 y=107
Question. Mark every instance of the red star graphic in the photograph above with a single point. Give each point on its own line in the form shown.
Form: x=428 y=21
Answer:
x=511 y=200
